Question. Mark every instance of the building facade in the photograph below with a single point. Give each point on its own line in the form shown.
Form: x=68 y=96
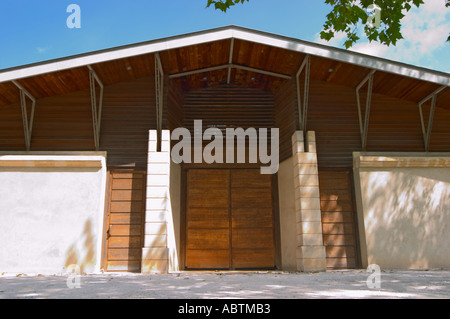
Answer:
x=88 y=177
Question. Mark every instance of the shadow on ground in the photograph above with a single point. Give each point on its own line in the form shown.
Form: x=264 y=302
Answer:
x=250 y=285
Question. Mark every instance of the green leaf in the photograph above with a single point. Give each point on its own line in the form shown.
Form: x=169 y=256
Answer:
x=348 y=44
x=327 y=35
x=223 y=5
x=350 y=15
x=417 y=2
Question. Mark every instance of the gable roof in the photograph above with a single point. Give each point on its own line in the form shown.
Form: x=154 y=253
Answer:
x=264 y=51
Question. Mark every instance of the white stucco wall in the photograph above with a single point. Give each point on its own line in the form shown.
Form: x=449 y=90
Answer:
x=51 y=217
x=403 y=205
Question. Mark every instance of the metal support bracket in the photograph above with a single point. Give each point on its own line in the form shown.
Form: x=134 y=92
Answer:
x=230 y=60
x=96 y=109
x=27 y=122
x=229 y=66
x=159 y=83
x=426 y=131
x=303 y=105
x=364 y=125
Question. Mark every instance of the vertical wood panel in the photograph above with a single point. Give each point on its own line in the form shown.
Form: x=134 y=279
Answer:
x=125 y=222
x=253 y=244
x=207 y=219
x=230 y=220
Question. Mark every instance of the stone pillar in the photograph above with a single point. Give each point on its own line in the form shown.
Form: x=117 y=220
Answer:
x=155 y=253
x=310 y=248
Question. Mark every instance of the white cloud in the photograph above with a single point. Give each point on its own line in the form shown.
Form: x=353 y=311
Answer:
x=425 y=31
x=42 y=50
x=427 y=28
x=374 y=48
x=336 y=41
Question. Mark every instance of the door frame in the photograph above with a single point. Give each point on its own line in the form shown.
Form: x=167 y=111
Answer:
x=107 y=213
x=183 y=223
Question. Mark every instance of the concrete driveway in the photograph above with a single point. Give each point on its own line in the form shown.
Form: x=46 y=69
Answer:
x=237 y=285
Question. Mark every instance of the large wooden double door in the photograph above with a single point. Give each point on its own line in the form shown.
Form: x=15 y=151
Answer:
x=229 y=219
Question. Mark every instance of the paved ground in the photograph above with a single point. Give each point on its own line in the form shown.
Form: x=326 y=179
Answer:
x=218 y=285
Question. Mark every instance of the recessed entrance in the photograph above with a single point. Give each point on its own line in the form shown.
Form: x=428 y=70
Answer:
x=229 y=222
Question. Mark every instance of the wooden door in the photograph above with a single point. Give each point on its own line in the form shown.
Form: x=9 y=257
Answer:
x=207 y=219
x=338 y=219
x=125 y=221
x=229 y=219
x=252 y=219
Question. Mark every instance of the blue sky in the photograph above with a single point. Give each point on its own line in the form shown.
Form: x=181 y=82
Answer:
x=33 y=31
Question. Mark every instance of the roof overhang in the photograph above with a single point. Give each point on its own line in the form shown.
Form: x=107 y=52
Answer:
x=230 y=32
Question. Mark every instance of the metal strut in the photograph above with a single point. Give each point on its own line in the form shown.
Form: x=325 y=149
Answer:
x=229 y=66
x=27 y=123
x=364 y=126
x=96 y=110
x=230 y=60
x=426 y=131
x=159 y=83
x=303 y=107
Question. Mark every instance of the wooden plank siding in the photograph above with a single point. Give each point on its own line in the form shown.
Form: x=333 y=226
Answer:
x=338 y=219
x=12 y=137
x=333 y=115
x=286 y=116
x=175 y=110
x=129 y=112
x=63 y=123
x=230 y=106
x=440 y=133
x=394 y=124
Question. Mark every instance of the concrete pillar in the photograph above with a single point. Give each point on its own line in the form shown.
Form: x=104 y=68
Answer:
x=310 y=249
x=155 y=253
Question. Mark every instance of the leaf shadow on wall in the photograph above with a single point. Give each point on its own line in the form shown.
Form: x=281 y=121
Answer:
x=82 y=251
x=406 y=218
